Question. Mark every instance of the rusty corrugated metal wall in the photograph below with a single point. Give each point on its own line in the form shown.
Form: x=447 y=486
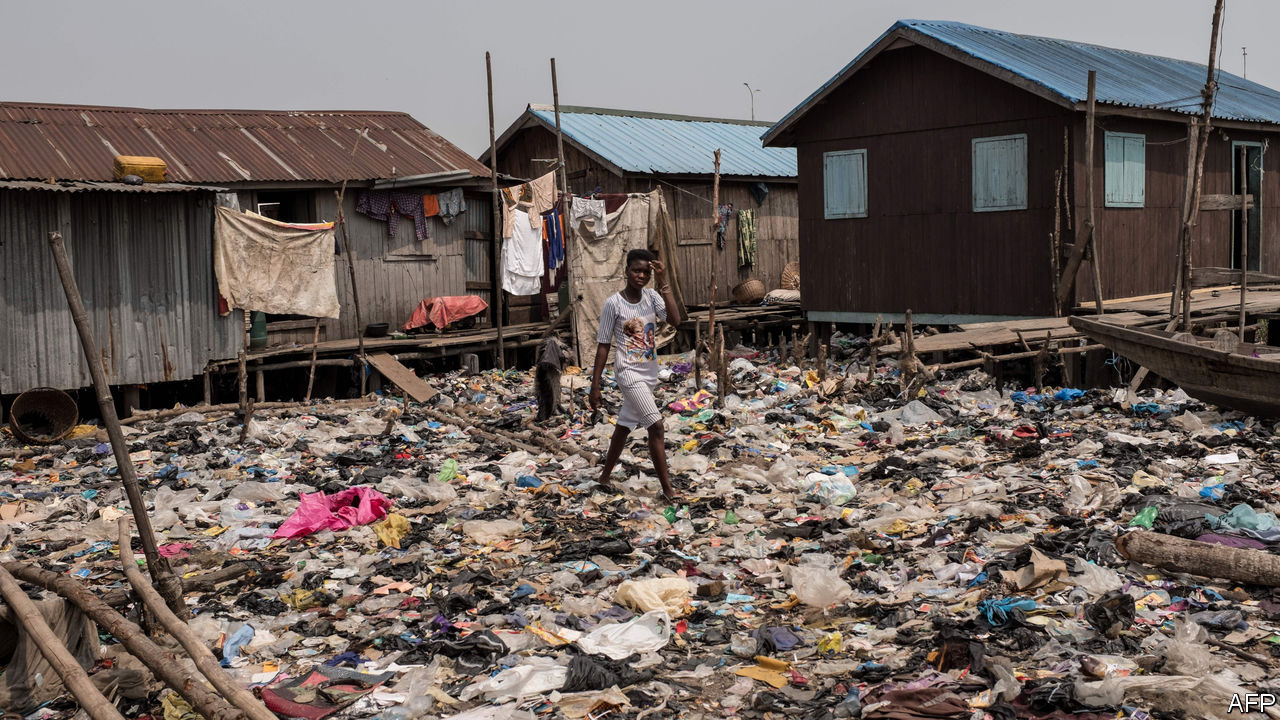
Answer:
x=144 y=264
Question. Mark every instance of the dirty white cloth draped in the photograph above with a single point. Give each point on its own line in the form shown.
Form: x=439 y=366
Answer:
x=275 y=267
x=597 y=265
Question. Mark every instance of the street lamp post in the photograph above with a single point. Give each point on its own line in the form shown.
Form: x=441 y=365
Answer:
x=752 y=94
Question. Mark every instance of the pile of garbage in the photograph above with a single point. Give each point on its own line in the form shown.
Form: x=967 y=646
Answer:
x=842 y=551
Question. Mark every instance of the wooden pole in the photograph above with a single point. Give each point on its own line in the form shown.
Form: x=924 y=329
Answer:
x=1091 y=230
x=242 y=371
x=204 y=660
x=163 y=663
x=1193 y=142
x=311 y=374
x=697 y=355
x=715 y=254
x=1176 y=554
x=1244 y=234
x=495 y=274
x=722 y=368
x=355 y=294
x=55 y=651
x=1055 y=239
x=1206 y=126
x=563 y=200
x=169 y=583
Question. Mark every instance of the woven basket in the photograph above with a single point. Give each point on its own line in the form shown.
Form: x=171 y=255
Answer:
x=749 y=292
x=791 y=276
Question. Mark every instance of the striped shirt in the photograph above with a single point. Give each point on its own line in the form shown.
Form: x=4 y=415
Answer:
x=630 y=328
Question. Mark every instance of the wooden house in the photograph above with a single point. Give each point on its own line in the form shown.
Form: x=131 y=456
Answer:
x=623 y=151
x=929 y=166
x=151 y=256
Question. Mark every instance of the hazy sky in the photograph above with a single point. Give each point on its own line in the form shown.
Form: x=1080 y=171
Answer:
x=427 y=57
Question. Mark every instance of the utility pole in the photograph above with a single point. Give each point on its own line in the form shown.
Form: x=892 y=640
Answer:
x=1244 y=53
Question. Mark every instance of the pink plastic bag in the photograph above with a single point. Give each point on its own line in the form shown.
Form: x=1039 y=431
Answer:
x=351 y=507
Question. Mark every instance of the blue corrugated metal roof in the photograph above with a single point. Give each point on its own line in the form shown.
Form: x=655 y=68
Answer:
x=1061 y=67
x=671 y=144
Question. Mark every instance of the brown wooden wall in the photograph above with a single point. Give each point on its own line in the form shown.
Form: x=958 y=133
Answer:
x=921 y=247
x=689 y=201
x=1138 y=246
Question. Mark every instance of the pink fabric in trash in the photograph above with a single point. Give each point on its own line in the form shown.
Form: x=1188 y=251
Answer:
x=351 y=507
x=441 y=311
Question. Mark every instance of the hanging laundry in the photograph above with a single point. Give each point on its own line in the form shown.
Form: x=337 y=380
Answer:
x=452 y=204
x=746 y=238
x=389 y=205
x=722 y=222
x=522 y=257
x=430 y=205
x=553 y=232
x=534 y=197
x=263 y=264
x=589 y=209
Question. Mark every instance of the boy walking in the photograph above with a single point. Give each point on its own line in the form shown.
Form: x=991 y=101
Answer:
x=628 y=323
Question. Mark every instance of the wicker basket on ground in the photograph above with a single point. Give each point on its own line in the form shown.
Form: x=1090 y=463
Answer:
x=749 y=292
x=791 y=276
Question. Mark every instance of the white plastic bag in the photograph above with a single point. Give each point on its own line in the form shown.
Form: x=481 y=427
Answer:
x=818 y=586
x=487 y=532
x=831 y=489
x=648 y=633
x=538 y=675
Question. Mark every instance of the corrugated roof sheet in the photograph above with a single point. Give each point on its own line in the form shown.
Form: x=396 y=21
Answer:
x=71 y=142
x=671 y=144
x=73 y=186
x=1061 y=67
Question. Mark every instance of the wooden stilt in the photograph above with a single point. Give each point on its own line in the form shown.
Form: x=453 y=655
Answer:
x=169 y=583
x=715 y=252
x=355 y=294
x=1244 y=234
x=311 y=373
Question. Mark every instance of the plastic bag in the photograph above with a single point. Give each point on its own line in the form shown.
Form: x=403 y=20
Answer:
x=488 y=532
x=831 y=489
x=1187 y=653
x=648 y=633
x=537 y=675
x=668 y=594
x=818 y=586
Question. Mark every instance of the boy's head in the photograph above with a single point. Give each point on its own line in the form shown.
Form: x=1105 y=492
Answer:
x=638 y=270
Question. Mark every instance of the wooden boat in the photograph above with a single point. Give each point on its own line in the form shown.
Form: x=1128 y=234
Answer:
x=1244 y=377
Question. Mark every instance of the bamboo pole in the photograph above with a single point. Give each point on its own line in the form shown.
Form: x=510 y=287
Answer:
x=311 y=374
x=1090 y=183
x=55 y=651
x=355 y=294
x=1206 y=125
x=1244 y=234
x=204 y=659
x=163 y=663
x=168 y=583
x=495 y=273
x=715 y=255
x=242 y=371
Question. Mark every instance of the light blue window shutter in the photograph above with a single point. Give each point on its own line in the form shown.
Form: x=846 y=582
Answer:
x=1135 y=170
x=1000 y=173
x=1125 y=173
x=1113 y=174
x=844 y=184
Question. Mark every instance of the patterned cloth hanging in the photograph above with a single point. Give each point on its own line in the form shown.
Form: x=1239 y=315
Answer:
x=746 y=238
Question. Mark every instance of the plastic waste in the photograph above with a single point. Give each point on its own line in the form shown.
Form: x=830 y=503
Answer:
x=534 y=676
x=488 y=532
x=648 y=633
x=818 y=586
x=667 y=594
x=831 y=489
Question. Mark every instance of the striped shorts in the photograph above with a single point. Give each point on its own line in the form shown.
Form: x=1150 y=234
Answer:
x=638 y=407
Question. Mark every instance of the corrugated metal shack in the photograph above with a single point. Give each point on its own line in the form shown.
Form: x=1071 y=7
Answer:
x=623 y=151
x=287 y=165
x=927 y=173
x=144 y=264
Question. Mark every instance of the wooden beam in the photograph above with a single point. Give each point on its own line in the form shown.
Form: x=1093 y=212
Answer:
x=1223 y=202
x=403 y=377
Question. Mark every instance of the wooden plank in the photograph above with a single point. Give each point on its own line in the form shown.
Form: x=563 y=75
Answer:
x=403 y=377
x=1209 y=276
x=1222 y=202
x=290 y=325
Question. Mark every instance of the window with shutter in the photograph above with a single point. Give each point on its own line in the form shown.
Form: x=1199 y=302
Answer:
x=1000 y=173
x=1125 y=174
x=844 y=184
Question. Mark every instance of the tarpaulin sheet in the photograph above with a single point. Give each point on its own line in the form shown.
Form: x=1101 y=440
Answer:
x=442 y=311
x=317 y=511
x=275 y=267
x=597 y=265
x=28 y=678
